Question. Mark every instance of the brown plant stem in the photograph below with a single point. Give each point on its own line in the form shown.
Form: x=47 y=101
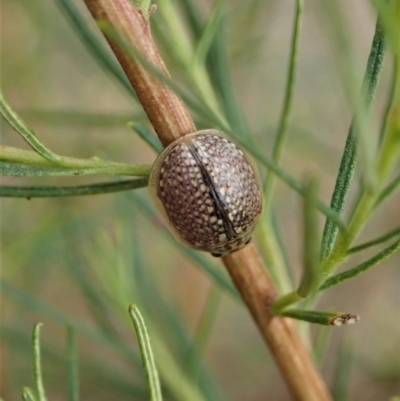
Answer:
x=258 y=291
x=165 y=110
x=170 y=120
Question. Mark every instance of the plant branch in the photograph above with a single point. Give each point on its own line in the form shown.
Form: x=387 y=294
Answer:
x=258 y=292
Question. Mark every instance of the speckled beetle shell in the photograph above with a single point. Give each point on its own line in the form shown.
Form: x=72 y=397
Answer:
x=208 y=192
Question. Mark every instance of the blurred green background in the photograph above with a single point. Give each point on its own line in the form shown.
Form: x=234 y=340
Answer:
x=83 y=260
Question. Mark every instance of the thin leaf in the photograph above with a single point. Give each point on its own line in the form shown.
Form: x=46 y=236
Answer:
x=375 y=241
x=72 y=165
x=311 y=267
x=321 y=345
x=208 y=318
x=173 y=375
x=21 y=170
x=219 y=70
x=390 y=139
x=147 y=135
x=209 y=33
x=147 y=354
x=288 y=100
x=389 y=13
x=274 y=250
x=348 y=162
x=80 y=190
x=37 y=365
x=193 y=16
x=389 y=190
x=389 y=17
x=27 y=134
x=324 y=318
x=93 y=43
x=70 y=118
x=27 y=394
x=342 y=377
x=361 y=268
x=73 y=371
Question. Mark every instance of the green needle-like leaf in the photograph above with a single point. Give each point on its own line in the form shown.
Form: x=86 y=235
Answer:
x=311 y=274
x=390 y=189
x=19 y=162
x=147 y=353
x=29 y=136
x=93 y=44
x=27 y=394
x=287 y=102
x=389 y=16
x=361 y=268
x=147 y=135
x=37 y=365
x=106 y=121
x=72 y=356
x=202 y=335
x=342 y=377
x=80 y=190
x=348 y=162
x=325 y=318
x=376 y=241
x=321 y=345
x=209 y=33
x=21 y=170
x=219 y=69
